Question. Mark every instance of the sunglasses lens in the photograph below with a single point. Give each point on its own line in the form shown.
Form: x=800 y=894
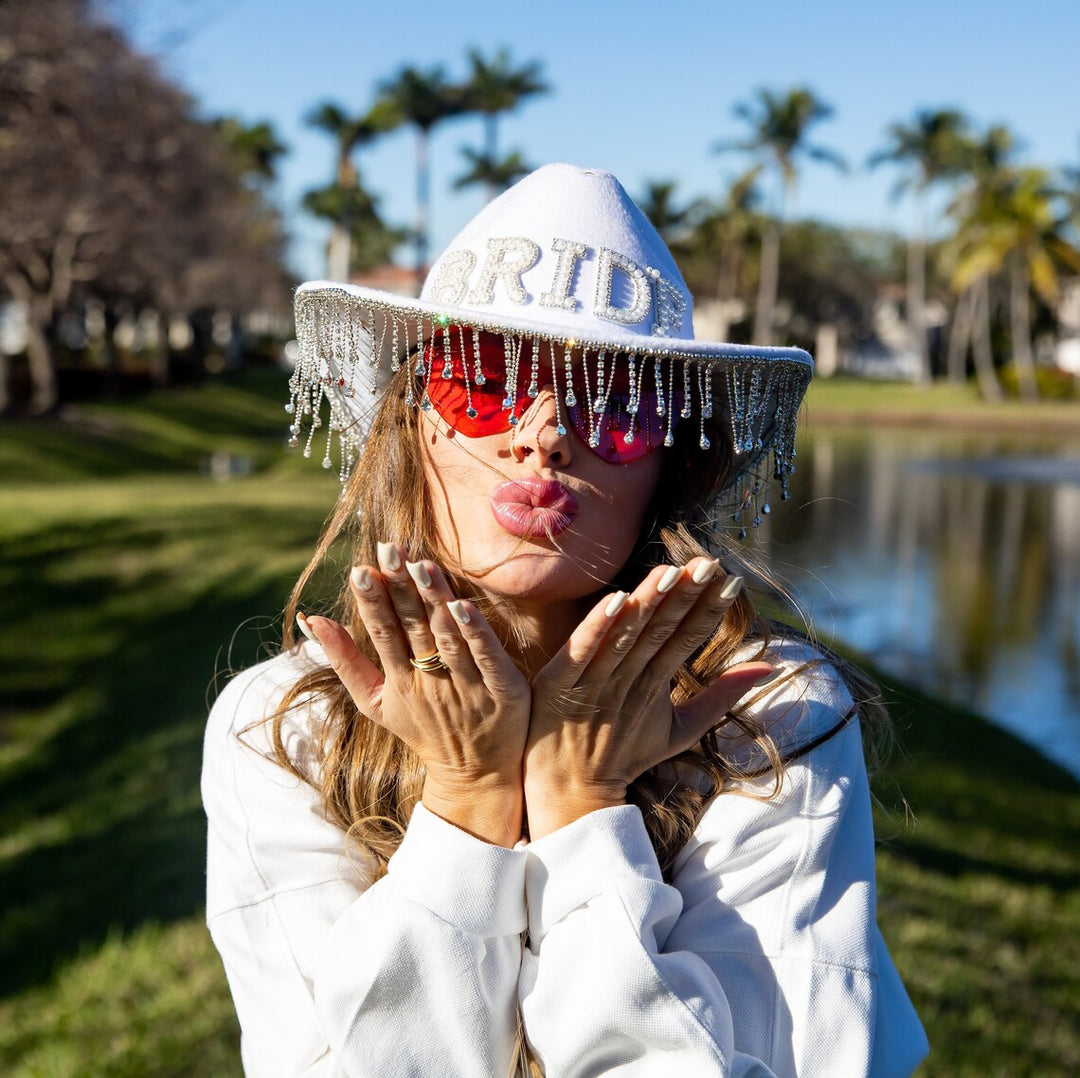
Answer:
x=470 y=402
x=618 y=435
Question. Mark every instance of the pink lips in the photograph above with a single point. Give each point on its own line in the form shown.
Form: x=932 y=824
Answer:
x=533 y=507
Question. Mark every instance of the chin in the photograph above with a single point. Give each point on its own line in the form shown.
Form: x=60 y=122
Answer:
x=535 y=572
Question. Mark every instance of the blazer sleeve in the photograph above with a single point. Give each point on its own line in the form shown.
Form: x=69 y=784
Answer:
x=330 y=973
x=761 y=957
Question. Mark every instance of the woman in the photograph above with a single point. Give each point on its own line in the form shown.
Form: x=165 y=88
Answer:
x=546 y=790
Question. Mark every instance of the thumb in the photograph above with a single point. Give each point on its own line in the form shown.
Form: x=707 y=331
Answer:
x=362 y=678
x=694 y=719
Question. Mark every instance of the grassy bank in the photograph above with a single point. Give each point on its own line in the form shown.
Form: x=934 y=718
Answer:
x=852 y=401
x=129 y=577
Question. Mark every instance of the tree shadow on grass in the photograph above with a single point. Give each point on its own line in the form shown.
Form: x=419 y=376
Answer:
x=102 y=812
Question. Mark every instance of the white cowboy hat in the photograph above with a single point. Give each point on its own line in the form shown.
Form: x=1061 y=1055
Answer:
x=563 y=257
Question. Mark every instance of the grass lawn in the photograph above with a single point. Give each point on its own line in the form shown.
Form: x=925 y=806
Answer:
x=856 y=401
x=131 y=582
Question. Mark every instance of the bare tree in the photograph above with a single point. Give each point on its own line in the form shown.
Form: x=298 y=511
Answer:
x=112 y=187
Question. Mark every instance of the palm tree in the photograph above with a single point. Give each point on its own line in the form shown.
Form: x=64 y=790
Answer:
x=492 y=88
x=1011 y=223
x=983 y=161
x=932 y=150
x=422 y=99
x=349 y=133
x=658 y=204
x=255 y=148
x=494 y=175
x=779 y=125
x=369 y=241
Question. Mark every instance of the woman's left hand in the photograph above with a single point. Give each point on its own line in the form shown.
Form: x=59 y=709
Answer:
x=602 y=712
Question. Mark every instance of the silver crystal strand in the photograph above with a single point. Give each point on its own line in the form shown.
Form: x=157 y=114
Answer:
x=448 y=355
x=599 y=402
x=703 y=441
x=659 y=383
x=594 y=432
x=570 y=398
x=470 y=411
x=560 y=429
x=512 y=349
x=534 y=387
x=478 y=370
x=669 y=436
x=395 y=354
x=635 y=396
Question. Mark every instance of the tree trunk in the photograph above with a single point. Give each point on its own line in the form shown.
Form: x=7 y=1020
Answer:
x=1020 y=319
x=491 y=148
x=157 y=351
x=768 y=280
x=43 y=395
x=960 y=337
x=916 y=304
x=989 y=386
x=39 y=354
x=5 y=396
x=423 y=198
x=338 y=253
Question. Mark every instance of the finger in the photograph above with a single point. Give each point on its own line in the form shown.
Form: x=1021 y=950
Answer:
x=566 y=666
x=694 y=719
x=434 y=592
x=698 y=622
x=407 y=604
x=361 y=678
x=486 y=651
x=654 y=614
x=379 y=618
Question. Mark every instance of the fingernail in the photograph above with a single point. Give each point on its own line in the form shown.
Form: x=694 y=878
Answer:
x=705 y=571
x=770 y=677
x=389 y=559
x=458 y=612
x=732 y=587
x=305 y=627
x=670 y=578
x=615 y=604
x=418 y=573
x=361 y=578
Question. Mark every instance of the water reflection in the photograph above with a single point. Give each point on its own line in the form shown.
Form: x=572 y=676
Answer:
x=953 y=561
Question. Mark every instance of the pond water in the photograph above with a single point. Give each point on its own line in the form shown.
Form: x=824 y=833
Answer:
x=952 y=561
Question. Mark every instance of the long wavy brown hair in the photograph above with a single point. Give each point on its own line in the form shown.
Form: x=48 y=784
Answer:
x=370 y=781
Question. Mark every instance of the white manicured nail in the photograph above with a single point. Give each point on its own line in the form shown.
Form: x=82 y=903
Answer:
x=670 y=578
x=389 y=559
x=705 y=571
x=305 y=628
x=458 y=611
x=732 y=587
x=418 y=573
x=615 y=604
x=770 y=677
x=361 y=578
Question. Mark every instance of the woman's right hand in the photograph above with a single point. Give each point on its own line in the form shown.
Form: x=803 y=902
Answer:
x=468 y=722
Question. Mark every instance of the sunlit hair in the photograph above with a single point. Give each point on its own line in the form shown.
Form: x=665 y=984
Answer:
x=370 y=781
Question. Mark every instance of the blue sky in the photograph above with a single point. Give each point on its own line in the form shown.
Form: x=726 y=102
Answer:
x=641 y=88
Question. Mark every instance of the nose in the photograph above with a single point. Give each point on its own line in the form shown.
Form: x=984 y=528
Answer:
x=542 y=431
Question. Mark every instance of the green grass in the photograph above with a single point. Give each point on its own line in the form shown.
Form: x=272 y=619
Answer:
x=129 y=580
x=842 y=400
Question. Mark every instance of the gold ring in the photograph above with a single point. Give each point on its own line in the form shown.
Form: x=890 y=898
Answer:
x=429 y=663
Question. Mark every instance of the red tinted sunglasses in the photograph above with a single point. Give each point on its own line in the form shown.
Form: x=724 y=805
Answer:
x=482 y=384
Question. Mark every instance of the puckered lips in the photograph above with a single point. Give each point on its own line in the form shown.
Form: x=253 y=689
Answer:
x=533 y=507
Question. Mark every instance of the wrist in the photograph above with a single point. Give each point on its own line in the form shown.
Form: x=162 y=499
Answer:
x=489 y=808
x=550 y=806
